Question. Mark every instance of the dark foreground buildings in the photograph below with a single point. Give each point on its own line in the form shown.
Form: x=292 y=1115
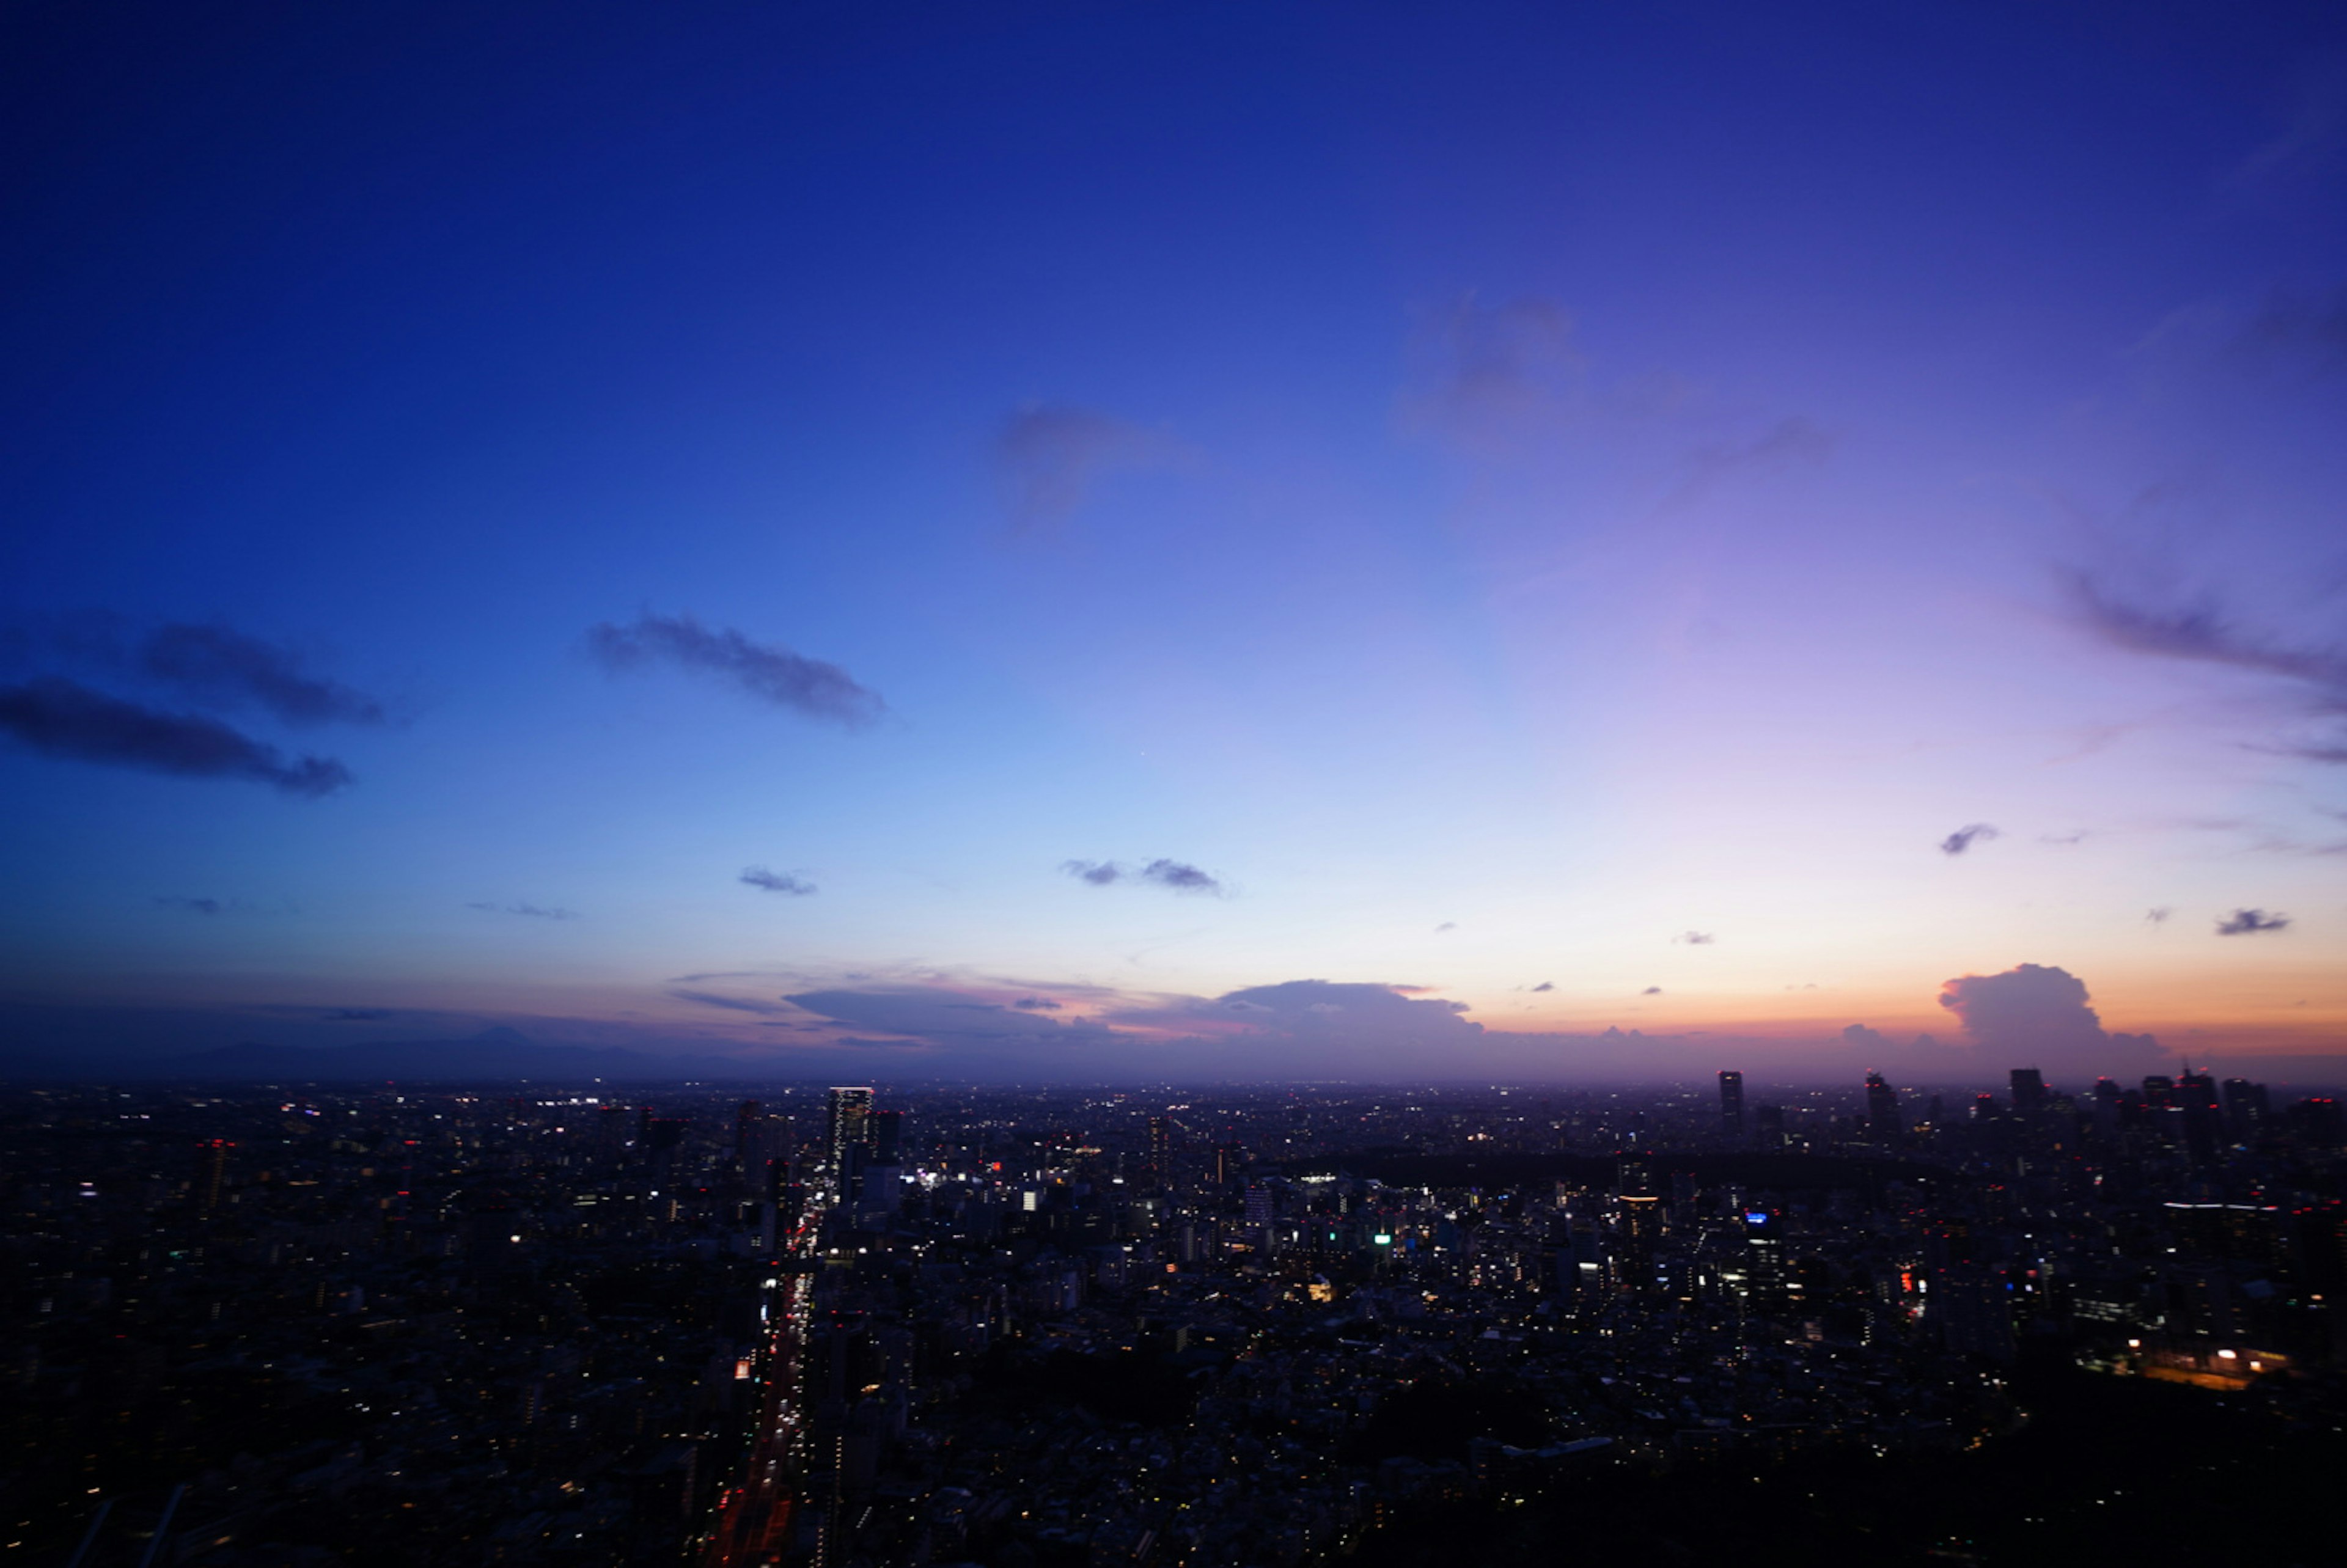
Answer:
x=518 y=1324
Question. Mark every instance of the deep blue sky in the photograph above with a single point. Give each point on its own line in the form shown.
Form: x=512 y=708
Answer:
x=1492 y=490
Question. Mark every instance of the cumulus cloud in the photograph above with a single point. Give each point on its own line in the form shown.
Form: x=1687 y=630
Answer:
x=2248 y=922
x=2036 y=1015
x=1175 y=875
x=1049 y=458
x=1696 y=939
x=770 y=672
x=62 y=718
x=534 y=911
x=944 y=1018
x=1965 y=837
x=776 y=881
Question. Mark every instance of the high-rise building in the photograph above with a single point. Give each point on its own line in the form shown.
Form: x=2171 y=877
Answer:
x=212 y=1174
x=884 y=1131
x=850 y=1124
x=2028 y=1091
x=1160 y=1149
x=1882 y=1114
x=749 y=1136
x=1228 y=1159
x=1731 y=1104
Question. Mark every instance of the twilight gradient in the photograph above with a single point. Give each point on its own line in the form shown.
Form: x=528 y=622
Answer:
x=1096 y=539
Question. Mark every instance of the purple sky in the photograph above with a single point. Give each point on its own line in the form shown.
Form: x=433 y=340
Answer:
x=1096 y=539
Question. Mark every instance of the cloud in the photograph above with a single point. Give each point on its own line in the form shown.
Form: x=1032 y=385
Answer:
x=1181 y=879
x=1447 y=926
x=356 y=1015
x=1036 y=1004
x=1174 y=874
x=533 y=910
x=945 y=1018
x=1965 y=837
x=776 y=881
x=2248 y=922
x=193 y=906
x=1696 y=939
x=2035 y=1015
x=2205 y=636
x=2296 y=325
x=1545 y=986
x=732 y=1004
x=772 y=674
x=1792 y=442
x=1652 y=991
x=215 y=667
x=1049 y=456
x=64 y=719
x=2158 y=916
x=1489 y=377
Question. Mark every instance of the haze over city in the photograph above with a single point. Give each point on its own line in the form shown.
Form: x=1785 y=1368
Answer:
x=1181 y=543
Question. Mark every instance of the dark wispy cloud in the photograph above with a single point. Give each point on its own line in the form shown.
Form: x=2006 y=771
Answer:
x=2311 y=326
x=1965 y=837
x=1049 y=456
x=731 y=1004
x=1179 y=875
x=1492 y=377
x=63 y=718
x=1792 y=442
x=1545 y=986
x=776 y=881
x=768 y=671
x=2318 y=675
x=1652 y=991
x=2158 y=916
x=1696 y=939
x=1036 y=1004
x=214 y=666
x=534 y=911
x=2249 y=922
x=194 y=906
x=1446 y=926
x=356 y=1015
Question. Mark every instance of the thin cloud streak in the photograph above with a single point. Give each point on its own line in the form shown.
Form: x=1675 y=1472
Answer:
x=62 y=718
x=770 y=672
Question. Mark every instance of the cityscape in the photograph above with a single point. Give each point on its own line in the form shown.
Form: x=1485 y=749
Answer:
x=1022 y=1326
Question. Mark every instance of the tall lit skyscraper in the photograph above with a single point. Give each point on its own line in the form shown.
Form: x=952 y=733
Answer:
x=1731 y=1104
x=850 y=1124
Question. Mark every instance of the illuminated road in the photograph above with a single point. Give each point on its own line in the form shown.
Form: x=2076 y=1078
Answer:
x=751 y=1526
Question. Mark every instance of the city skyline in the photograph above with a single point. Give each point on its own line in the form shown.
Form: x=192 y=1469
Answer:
x=1068 y=544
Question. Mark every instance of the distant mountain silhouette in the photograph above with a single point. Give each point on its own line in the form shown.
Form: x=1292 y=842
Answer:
x=494 y=1053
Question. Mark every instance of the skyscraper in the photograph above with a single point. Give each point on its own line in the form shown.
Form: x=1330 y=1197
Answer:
x=1731 y=1104
x=2028 y=1091
x=850 y=1124
x=1882 y=1112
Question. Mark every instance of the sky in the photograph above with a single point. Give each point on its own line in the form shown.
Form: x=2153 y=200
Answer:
x=1095 y=540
